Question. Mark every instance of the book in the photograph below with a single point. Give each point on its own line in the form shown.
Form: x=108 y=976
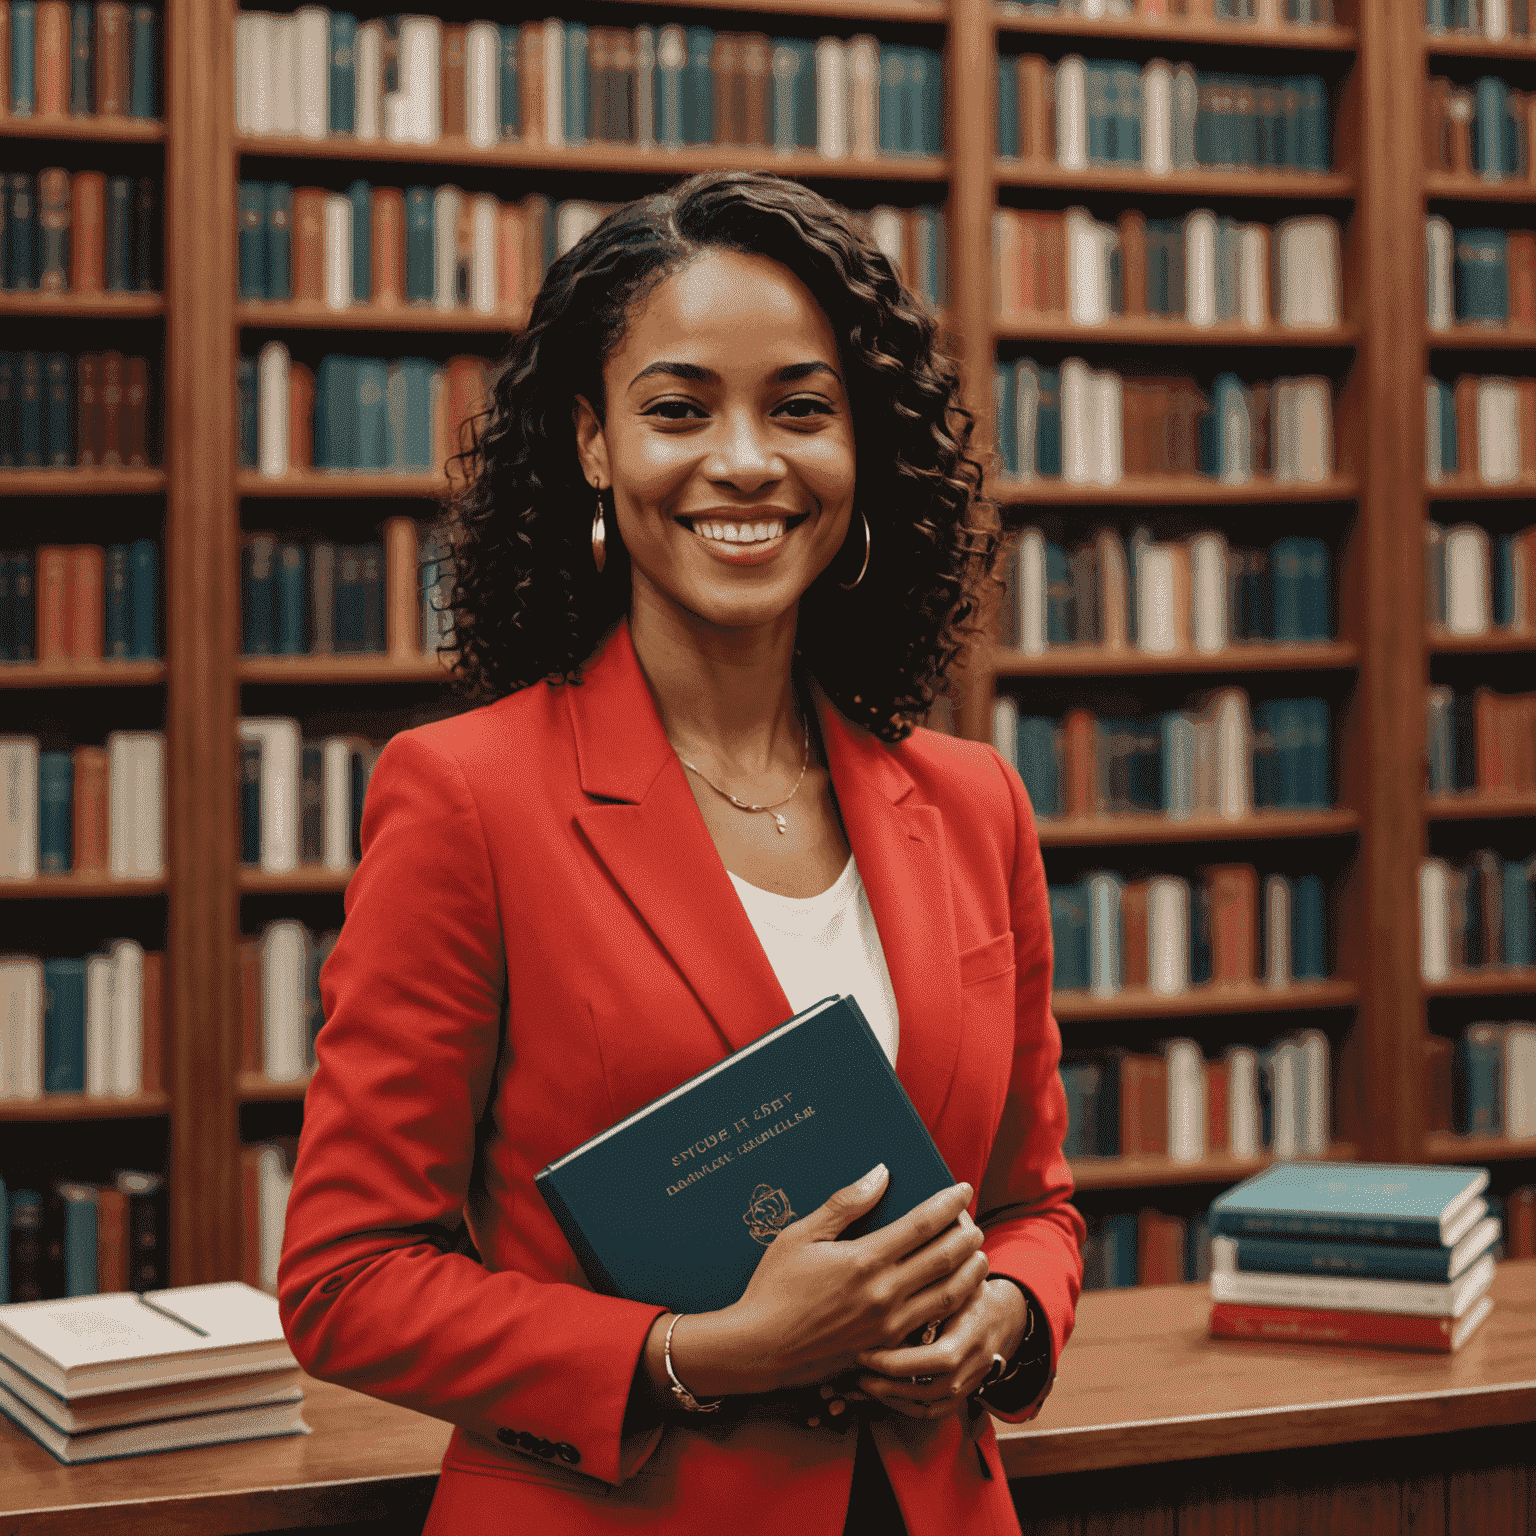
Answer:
x=1422 y=1206
x=676 y=1202
x=1321 y=1325
x=1374 y=1261
x=1415 y=1297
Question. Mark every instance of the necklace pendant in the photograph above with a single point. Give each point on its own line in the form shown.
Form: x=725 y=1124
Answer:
x=778 y=820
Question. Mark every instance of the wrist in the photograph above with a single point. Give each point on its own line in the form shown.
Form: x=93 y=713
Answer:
x=711 y=1356
x=1013 y=1306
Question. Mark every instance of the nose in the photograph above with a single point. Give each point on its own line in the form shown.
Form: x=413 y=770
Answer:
x=742 y=455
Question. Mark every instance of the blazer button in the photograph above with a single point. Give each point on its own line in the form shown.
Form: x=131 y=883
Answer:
x=568 y=1453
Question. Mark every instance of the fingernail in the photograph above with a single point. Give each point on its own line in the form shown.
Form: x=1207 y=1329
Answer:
x=871 y=1180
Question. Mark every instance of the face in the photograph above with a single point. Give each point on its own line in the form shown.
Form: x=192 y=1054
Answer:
x=728 y=441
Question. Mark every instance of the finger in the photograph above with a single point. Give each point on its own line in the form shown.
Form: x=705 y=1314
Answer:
x=922 y=1222
x=897 y=1398
x=842 y=1207
x=951 y=1294
x=936 y=1262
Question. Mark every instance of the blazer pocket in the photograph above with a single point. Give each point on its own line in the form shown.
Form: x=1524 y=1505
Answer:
x=469 y=1452
x=987 y=960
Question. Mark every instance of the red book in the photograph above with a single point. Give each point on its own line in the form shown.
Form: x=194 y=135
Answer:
x=1465 y=397
x=250 y=1216
x=1216 y=1091
x=52 y=45
x=301 y=417
x=1133 y=917
x=1520 y=1224
x=1234 y=922
x=1492 y=773
x=466 y=397
x=1078 y=751
x=87 y=232
x=510 y=241
x=1525 y=391
x=1030 y=292
x=111 y=59
x=135 y=430
x=1439 y=1054
x=1159 y=1249
x=251 y=1055
x=1009 y=294
x=55 y=603
x=1315 y=1325
x=90 y=810
x=387 y=248
x=111 y=410
x=89 y=425
x=1133 y=260
x=1052 y=237
x=308 y=246
x=1143 y=1106
x=87 y=596
x=111 y=1240
x=1522 y=277
x=152 y=998
x=402 y=602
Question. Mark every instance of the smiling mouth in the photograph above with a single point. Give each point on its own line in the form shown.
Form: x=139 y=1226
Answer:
x=742 y=532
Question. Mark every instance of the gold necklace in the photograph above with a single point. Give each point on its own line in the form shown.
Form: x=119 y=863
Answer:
x=772 y=810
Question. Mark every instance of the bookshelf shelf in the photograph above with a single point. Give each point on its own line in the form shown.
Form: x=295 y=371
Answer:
x=1439 y=1147
x=1172 y=491
x=375 y=317
x=1449 y=187
x=1493 y=982
x=1154 y=332
x=258 y=1088
x=1114 y=831
x=81 y=885
x=99 y=130
x=84 y=306
x=341 y=669
x=1095 y=661
x=1227 y=997
x=81 y=482
x=1448 y=46
x=83 y=1106
x=1150 y=1172
x=1496 y=642
x=628 y=159
x=304 y=880
x=1143 y=29
x=339 y=484
x=1465 y=488
x=833 y=10
x=82 y=674
x=1464 y=338
x=1313 y=186
x=1478 y=807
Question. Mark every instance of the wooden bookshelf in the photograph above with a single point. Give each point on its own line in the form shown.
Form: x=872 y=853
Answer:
x=1096 y=661
x=1442 y=1148
x=1492 y=981
x=341 y=669
x=1157 y=1172
x=1465 y=488
x=1174 y=30
x=1456 y=45
x=1478 y=807
x=82 y=482
x=85 y=1106
x=340 y=483
x=1213 y=998
x=81 y=674
x=378 y=317
x=1466 y=338
x=84 y=306
x=1113 y=831
x=1173 y=491
x=100 y=130
x=1497 y=642
x=258 y=1088
x=1449 y=187
x=63 y=887
x=1150 y=331
x=307 y=879
x=1306 y=186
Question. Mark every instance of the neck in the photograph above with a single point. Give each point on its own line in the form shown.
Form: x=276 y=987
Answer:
x=725 y=693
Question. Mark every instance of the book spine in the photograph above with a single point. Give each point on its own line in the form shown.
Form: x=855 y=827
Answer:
x=1408 y=1230
x=1380 y=1261
x=89 y=826
x=1317 y=1325
x=143 y=95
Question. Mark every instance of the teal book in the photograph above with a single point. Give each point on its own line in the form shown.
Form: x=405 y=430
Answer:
x=21 y=242
x=509 y=100
x=372 y=376
x=1118 y=1235
x=336 y=413
x=1004 y=411
x=1008 y=107
x=1048 y=426
x=1039 y=764
x=1069 y=937
x=360 y=195
x=82 y=97
x=1312 y=124
x=577 y=83
x=342 y=94
x=698 y=88
x=1309 y=934
x=1490 y=127
x=64 y=1026
x=252 y=218
x=143 y=63
x=893 y=70
x=408 y=415
x=143 y=600
x=676 y=1204
x=667 y=101
x=119 y=220
x=1416 y=1205
x=1481 y=276
x=23 y=58
x=1518 y=938
x=1371 y=1261
x=55 y=799
x=792 y=100
x=79 y=1202
x=419 y=273
x=279 y=241
x=1477 y=1081
x=289 y=593
x=245 y=411
x=59 y=410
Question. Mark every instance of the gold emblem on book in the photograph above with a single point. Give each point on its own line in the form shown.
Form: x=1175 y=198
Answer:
x=768 y=1214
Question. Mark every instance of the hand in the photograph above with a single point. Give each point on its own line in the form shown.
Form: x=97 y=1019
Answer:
x=949 y=1370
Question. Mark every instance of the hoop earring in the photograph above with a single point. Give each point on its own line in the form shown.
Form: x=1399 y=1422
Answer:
x=599 y=533
x=848 y=586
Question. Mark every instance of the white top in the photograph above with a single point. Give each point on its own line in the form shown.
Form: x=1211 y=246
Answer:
x=826 y=945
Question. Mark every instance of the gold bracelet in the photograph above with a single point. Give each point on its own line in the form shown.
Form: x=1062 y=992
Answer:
x=679 y=1391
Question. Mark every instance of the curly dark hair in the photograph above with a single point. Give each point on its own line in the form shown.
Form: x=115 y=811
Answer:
x=528 y=603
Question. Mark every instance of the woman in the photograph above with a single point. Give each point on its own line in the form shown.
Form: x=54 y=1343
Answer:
x=715 y=554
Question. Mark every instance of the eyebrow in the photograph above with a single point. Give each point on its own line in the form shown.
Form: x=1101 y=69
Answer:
x=791 y=374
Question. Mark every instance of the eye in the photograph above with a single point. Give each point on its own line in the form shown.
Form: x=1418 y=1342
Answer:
x=674 y=410
x=802 y=407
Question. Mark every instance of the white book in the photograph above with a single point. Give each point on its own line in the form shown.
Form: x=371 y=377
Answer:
x=146 y=805
x=1071 y=82
x=85 y=1346
x=574 y=221
x=445 y=249
x=1026 y=416
x=482 y=78
x=1112 y=584
x=1243 y=1117
x=1005 y=727
x=1315 y=1121
x=885 y=230
x=1106 y=939
x=338 y=251
x=1157 y=625
x=312 y=48
x=1179 y=763
x=253 y=72
x=273 y=1187
x=278 y=790
x=862 y=58
x=126 y=1062
x=1434 y=920
x=284 y=1000
x=1200 y=267
x=98 y=1024
x=645 y=87
x=554 y=78
x=368 y=86
x=1419 y=1298
x=1208 y=592
x=21 y=1027
x=1107 y=439
x=272 y=410
x=1468 y=610
x=1186 y=108
x=1157 y=117
x=1092 y=10
x=421 y=78
x=1235 y=428
x=1234 y=755
x=1031 y=593
x=1277 y=931
x=19 y=826
x=1077 y=422
x=1496 y=20
x=1089 y=244
x=485 y=213
x=1434 y=470
x=1284 y=1118
x=285 y=74
x=1498 y=431
x=831 y=98
x=1438 y=311
x=1253 y=275
x=1307 y=265
x=1520 y=1080
x=1168 y=935
x=1186 y=1101
x=119 y=776
x=336 y=801
x=1303 y=437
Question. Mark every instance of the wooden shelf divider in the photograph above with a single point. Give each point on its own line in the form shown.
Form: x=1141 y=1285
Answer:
x=1212 y=998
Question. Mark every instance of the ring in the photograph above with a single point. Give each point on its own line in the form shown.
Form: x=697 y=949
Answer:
x=931 y=1332
x=994 y=1372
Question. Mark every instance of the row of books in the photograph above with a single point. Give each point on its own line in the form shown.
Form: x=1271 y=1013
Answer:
x=1481 y=428
x=1159 y=116
x=1476 y=915
x=1483 y=1083
x=1201 y=268
x=281 y=1012
x=1166 y=935
x=1166 y=598
x=1481 y=743
x=1264 y=14
x=1482 y=130
x=301 y=802
x=354 y=413
x=324 y=599
x=70 y=1237
x=88 y=411
x=1497 y=20
x=1217 y=758
x=1476 y=582
x=1090 y=426
x=1175 y=1104
x=90 y=1026
x=91 y=810
x=416 y=80
x=1145 y=1247
x=1483 y=277
x=77 y=232
x=64 y=603
x=80 y=60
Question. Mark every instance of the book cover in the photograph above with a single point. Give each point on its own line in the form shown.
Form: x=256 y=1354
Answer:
x=1415 y=1297
x=1320 y=1325
x=1372 y=1261
x=677 y=1202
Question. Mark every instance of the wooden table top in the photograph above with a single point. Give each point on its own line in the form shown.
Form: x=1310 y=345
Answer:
x=1140 y=1383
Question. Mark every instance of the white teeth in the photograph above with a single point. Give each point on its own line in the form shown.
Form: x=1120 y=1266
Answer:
x=741 y=533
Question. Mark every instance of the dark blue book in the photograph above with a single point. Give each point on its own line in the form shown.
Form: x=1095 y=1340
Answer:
x=119 y=218
x=1081 y=1081
x=23 y=58
x=336 y=413
x=289 y=601
x=1317 y=591
x=253 y=240
x=279 y=241
x=25 y=1259
x=1481 y=276
x=79 y=1212
x=1096 y=78
x=1038 y=765
x=350 y=602
x=143 y=63
x=245 y=411
x=7 y=613
x=143 y=600
x=1286 y=564
x=371 y=594
x=510 y=98
x=258 y=556
x=360 y=770
x=676 y=1204
x=698 y=88
x=342 y=93
x=1312 y=124
x=1371 y=1261
x=409 y=414
x=1058 y=596
x=360 y=195
x=55 y=802
x=1048 y=426
x=1309 y=934
x=1119 y=1236
x=1519 y=918
x=21 y=241
x=10 y=400
x=1316 y=754
x=372 y=375
x=30 y=411
x=419 y=272
x=142 y=245
x=576 y=82
x=82 y=56
x=114 y=636
x=1008 y=141
x=1477 y=1081
x=23 y=606
x=64 y=1026
x=1069 y=937
x=1490 y=128
x=58 y=410
x=250 y=802
x=1503 y=603
x=1416 y=1205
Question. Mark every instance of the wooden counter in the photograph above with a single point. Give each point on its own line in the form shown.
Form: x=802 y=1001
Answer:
x=1141 y=1386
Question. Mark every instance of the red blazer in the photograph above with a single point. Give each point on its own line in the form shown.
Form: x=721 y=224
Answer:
x=540 y=939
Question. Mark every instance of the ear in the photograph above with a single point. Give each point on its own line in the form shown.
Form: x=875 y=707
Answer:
x=591 y=444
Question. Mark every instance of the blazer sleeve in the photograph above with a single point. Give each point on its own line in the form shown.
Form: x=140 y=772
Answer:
x=1034 y=1235
x=370 y=1293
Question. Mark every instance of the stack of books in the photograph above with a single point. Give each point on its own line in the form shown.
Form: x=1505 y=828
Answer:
x=1377 y=1254
x=96 y=1377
